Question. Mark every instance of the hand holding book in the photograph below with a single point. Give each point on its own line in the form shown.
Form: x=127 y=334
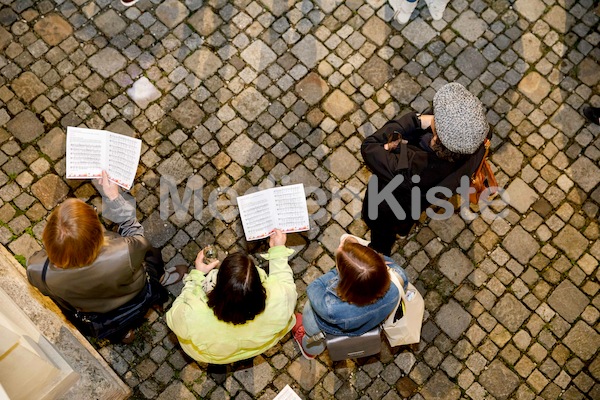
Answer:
x=278 y=238
x=109 y=189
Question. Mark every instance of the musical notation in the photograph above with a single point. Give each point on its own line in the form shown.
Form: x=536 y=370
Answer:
x=89 y=151
x=281 y=208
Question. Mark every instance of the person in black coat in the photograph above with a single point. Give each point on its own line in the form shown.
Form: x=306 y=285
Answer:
x=415 y=153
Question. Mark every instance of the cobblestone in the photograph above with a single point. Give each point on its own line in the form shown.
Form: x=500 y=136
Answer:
x=26 y=127
x=571 y=242
x=510 y=312
x=584 y=173
x=453 y=320
x=53 y=29
x=499 y=381
x=580 y=340
x=440 y=387
x=107 y=62
x=455 y=265
x=262 y=93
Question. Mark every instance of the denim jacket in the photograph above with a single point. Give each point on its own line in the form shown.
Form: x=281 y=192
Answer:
x=392 y=265
x=337 y=317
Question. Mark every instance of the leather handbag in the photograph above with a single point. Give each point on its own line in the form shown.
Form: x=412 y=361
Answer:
x=483 y=179
x=403 y=325
x=113 y=325
x=344 y=347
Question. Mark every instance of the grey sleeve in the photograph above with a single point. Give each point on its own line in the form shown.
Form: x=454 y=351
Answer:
x=122 y=211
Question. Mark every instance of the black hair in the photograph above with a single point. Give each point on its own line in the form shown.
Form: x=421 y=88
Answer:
x=442 y=152
x=239 y=295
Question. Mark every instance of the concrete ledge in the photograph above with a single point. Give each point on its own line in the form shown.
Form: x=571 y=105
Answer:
x=97 y=379
x=30 y=366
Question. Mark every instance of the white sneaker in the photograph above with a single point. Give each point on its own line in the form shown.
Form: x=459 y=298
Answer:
x=128 y=3
x=436 y=8
x=403 y=9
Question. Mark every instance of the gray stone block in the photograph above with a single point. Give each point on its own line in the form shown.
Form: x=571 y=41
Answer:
x=453 y=319
x=568 y=301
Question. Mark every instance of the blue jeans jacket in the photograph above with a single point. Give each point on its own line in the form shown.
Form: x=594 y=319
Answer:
x=392 y=264
x=334 y=316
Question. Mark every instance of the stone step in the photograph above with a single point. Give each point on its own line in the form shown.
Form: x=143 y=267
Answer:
x=46 y=328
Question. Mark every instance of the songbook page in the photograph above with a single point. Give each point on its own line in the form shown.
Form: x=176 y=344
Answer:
x=287 y=393
x=256 y=214
x=290 y=208
x=123 y=159
x=89 y=151
x=281 y=208
x=86 y=153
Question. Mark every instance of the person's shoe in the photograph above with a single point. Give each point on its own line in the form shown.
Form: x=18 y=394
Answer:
x=403 y=9
x=158 y=308
x=129 y=337
x=592 y=114
x=298 y=333
x=218 y=373
x=128 y=3
x=173 y=275
x=436 y=8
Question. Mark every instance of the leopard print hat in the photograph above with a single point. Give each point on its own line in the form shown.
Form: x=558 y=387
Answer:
x=459 y=117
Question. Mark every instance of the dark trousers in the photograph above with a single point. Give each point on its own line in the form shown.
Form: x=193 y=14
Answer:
x=155 y=266
x=385 y=228
x=384 y=237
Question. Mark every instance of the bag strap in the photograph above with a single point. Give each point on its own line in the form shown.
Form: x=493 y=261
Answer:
x=396 y=281
x=486 y=143
x=493 y=183
x=44 y=272
x=60 y=302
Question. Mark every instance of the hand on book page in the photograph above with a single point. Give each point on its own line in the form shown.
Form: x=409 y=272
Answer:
x=109 y=189
x=278 y=238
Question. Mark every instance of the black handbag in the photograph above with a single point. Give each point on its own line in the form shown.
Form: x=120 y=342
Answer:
x=112 y=325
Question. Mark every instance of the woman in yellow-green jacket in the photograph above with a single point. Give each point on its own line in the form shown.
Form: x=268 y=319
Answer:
x=246 y=313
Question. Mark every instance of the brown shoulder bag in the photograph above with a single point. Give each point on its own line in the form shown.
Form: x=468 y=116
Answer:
x=483 y=179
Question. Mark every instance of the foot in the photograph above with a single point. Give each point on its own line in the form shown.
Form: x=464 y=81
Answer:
x=408 y=236
x=218 y=372
x=158 y=308
x=403 y=10
x=436 y=8
x=128 y=3
x=298 y=333
x=592 y=114
x=173 y=275
x=129 y=337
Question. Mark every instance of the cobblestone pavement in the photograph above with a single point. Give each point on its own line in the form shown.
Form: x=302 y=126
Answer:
x=249 y=93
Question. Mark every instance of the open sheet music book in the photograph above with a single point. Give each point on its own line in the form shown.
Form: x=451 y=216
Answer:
x=276 y=208
x=89 y=151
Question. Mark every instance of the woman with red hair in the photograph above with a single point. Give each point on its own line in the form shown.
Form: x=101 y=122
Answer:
x=89 y=271
x=349 y=300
